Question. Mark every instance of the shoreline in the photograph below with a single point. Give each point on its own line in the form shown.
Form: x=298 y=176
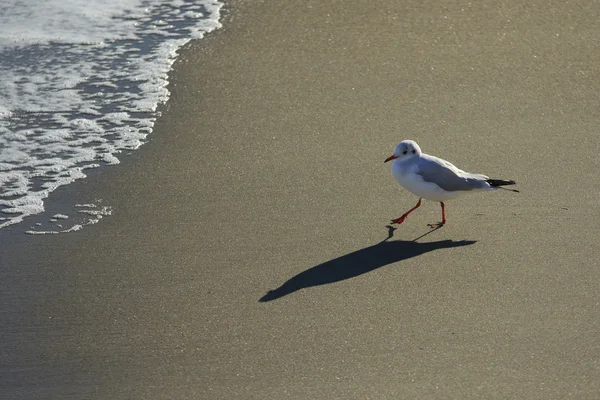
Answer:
x=84 y=106
x=248 y=254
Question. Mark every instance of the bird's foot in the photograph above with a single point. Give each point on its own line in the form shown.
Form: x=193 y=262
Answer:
x=437 y=224
x=399 y=220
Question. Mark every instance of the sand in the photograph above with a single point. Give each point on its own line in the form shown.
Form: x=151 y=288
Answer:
x=248 y=254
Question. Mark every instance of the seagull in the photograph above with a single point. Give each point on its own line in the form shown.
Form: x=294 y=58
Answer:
x=434 y=179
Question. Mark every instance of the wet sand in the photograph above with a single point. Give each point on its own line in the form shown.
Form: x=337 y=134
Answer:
x=248 y=254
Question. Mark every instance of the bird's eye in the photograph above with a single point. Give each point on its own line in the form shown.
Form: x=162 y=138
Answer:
x=404 y=152
x=414 y=151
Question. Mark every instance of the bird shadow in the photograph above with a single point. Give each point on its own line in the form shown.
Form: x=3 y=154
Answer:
x=360 y=262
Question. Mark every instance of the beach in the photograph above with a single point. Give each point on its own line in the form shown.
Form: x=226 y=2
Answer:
x=249 y=256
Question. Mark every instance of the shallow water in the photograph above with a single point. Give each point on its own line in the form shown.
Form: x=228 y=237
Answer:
x=80 y=84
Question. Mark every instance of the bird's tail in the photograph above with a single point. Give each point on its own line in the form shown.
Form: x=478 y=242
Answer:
x=498 y=183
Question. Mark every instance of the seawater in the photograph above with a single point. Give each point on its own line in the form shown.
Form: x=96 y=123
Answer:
x=80 y=83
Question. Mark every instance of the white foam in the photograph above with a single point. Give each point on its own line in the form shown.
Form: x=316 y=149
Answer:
x=80 y=82
x=72 y=21
x=92 y=214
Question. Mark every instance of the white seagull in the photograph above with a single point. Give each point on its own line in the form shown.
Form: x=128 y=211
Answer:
x=432 y=178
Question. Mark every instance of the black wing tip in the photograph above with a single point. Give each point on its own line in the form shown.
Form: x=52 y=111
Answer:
x=500 y=182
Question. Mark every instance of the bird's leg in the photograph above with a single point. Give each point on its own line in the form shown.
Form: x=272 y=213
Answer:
x=403 y=217
x=439 y=224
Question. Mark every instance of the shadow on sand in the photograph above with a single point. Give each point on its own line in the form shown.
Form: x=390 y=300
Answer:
x=360 y=262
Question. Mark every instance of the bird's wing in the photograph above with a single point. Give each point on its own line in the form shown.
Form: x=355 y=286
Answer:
x=447 y=176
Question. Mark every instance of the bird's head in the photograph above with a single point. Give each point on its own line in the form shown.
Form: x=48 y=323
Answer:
x=405 y=150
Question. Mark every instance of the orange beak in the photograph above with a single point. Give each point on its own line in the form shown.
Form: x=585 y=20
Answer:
x=390 y=158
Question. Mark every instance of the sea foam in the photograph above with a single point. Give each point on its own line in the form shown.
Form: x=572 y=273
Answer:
x=80 y=83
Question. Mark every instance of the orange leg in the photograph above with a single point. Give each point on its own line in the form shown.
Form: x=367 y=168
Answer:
x=403 y=217
x=439 y=224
